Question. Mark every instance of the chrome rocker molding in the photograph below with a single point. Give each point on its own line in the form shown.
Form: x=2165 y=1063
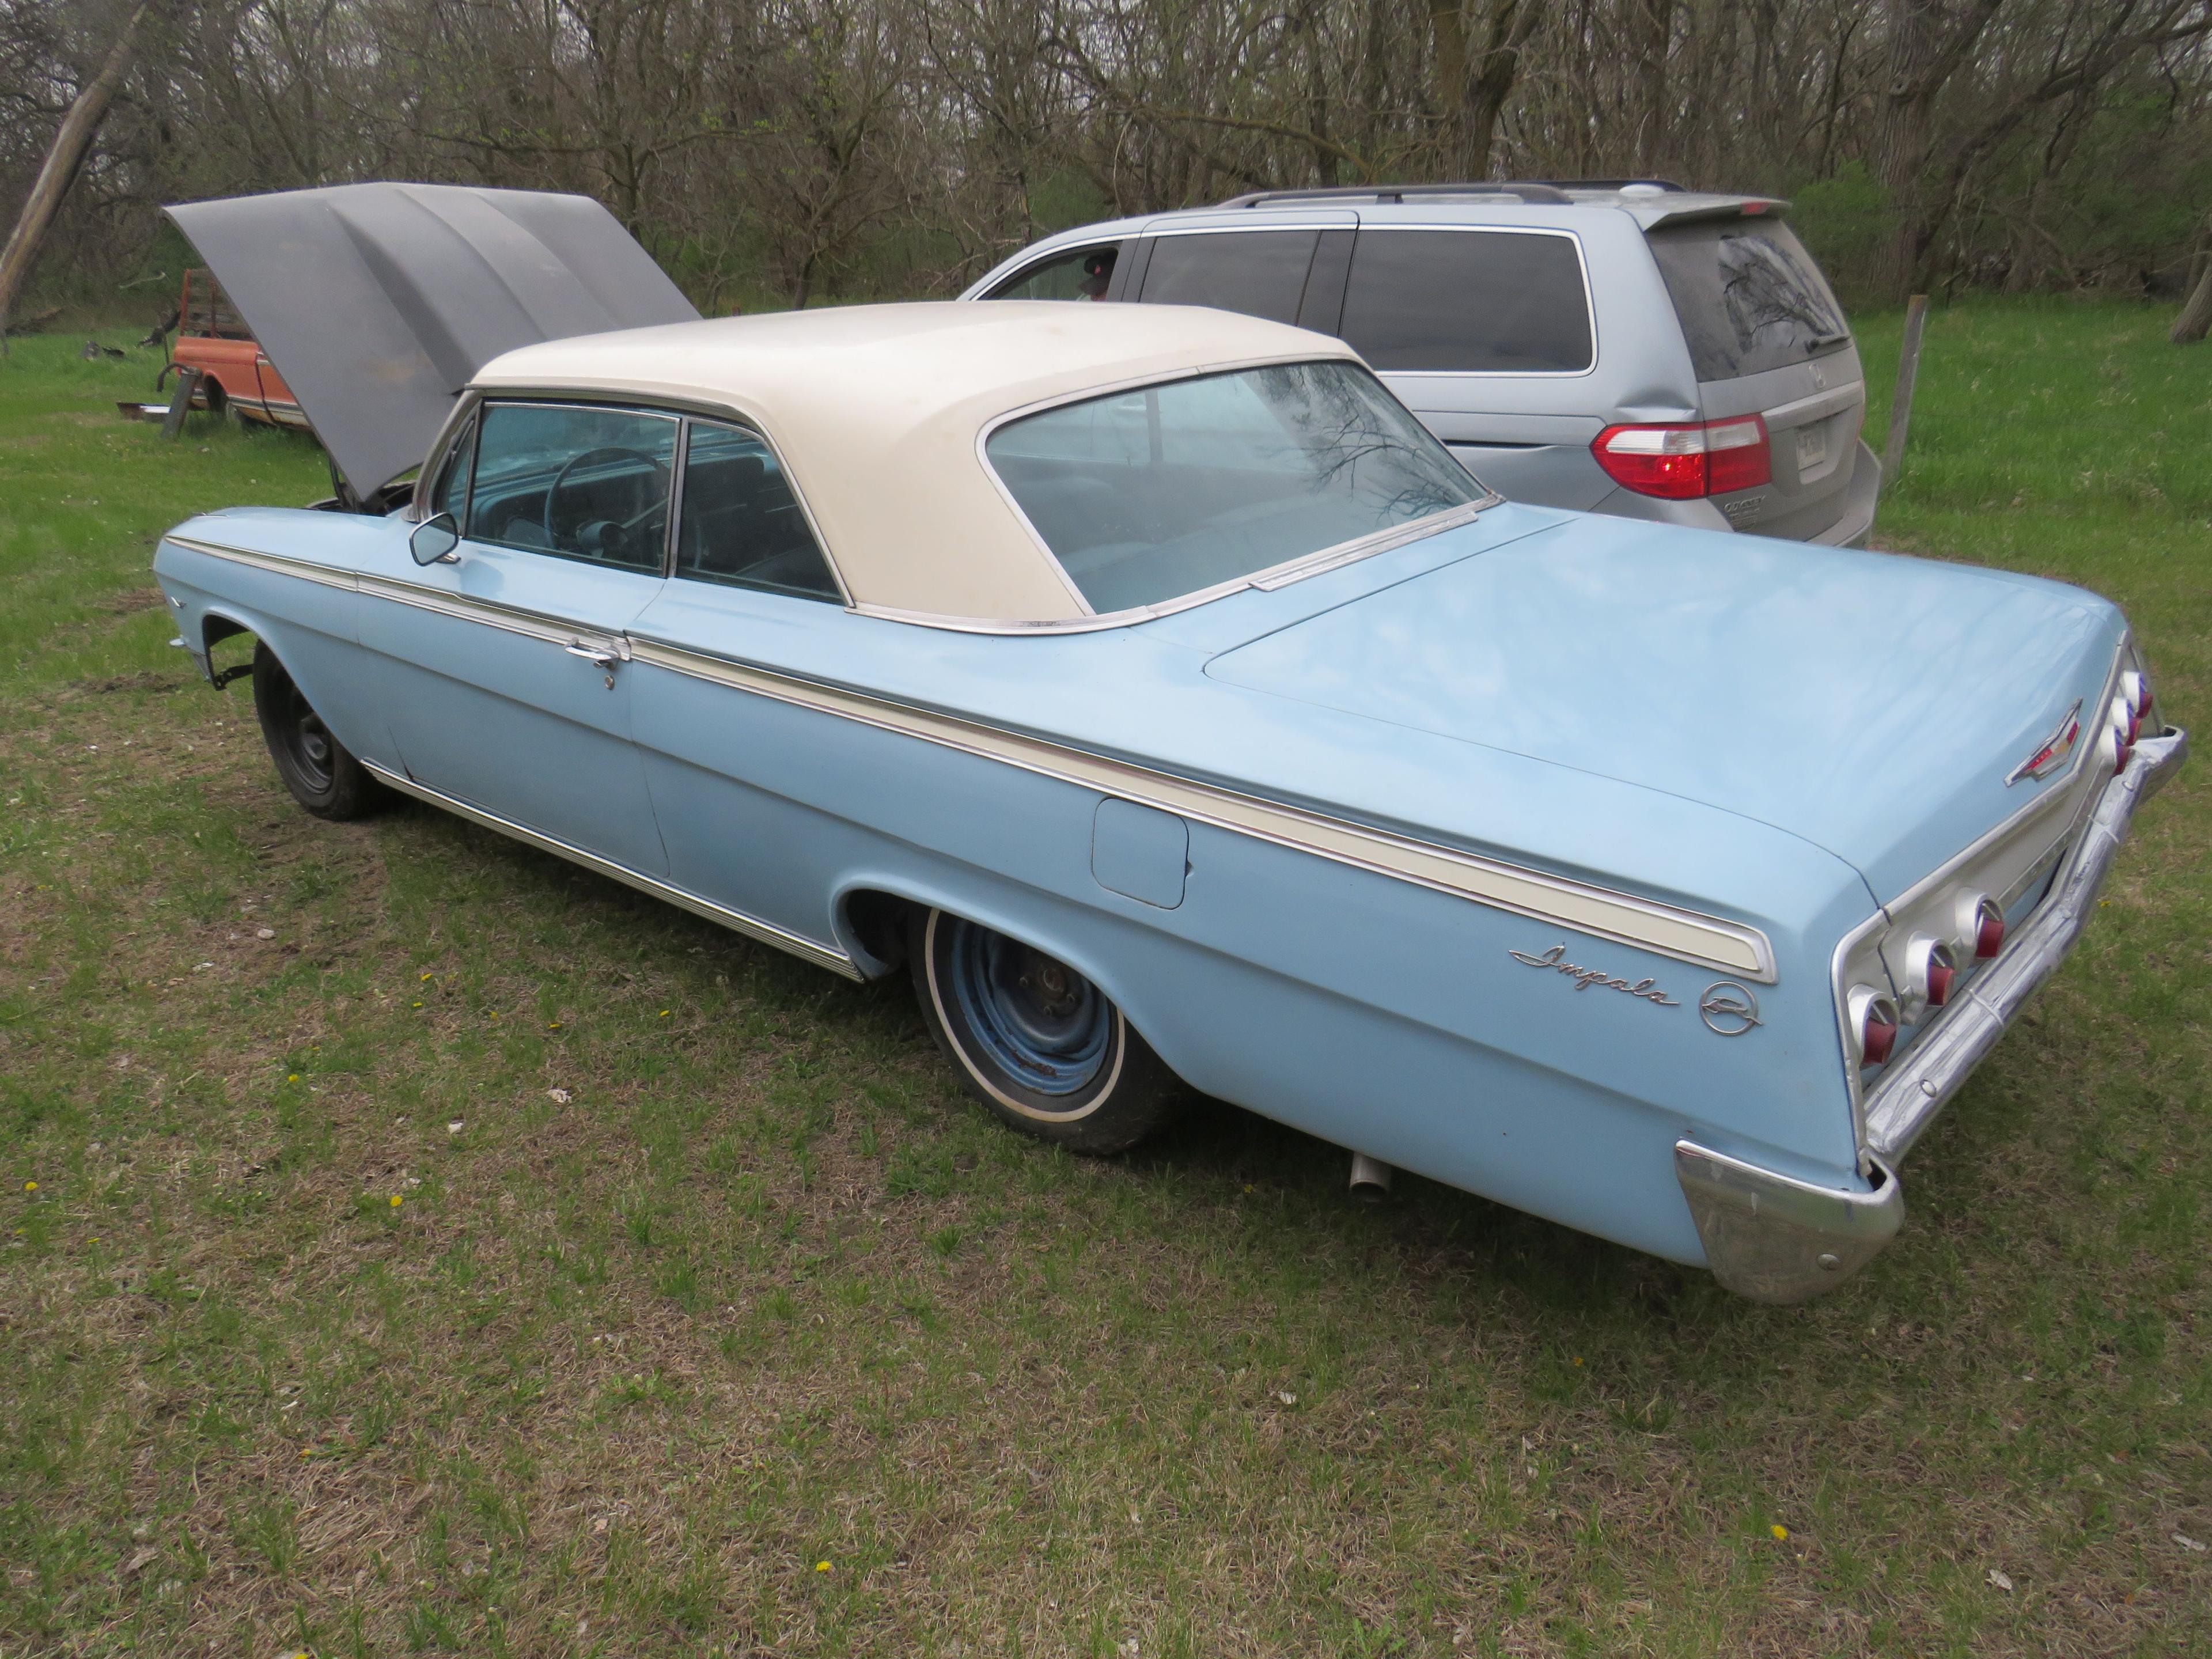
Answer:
x=1773 y=1238
x=822 y=955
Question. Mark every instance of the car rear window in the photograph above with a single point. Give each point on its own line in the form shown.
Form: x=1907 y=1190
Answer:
x=1749 y=294
x=1149 y=495
x=1469 y=302
x=1261 y=273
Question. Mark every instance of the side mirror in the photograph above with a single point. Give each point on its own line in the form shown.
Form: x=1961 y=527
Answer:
x=435 y=539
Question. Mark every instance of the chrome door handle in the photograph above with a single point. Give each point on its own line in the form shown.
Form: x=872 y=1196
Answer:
x=605 y=662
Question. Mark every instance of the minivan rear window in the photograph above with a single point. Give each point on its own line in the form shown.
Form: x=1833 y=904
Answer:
x=1467 y=302
x=1749 y=294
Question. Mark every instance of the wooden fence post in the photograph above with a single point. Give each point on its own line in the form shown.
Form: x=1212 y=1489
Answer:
x=181 y=400
x=1900 y=404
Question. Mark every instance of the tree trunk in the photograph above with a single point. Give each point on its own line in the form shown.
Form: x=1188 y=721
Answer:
x=2196 y=318
x=55 y=176
x=1475 y=77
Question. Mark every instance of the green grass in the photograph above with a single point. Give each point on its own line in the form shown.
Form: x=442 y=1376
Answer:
x=703 y=1273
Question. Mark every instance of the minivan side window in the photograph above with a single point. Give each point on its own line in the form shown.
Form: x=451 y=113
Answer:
x=574 y=481
x=741 y=527
x=1082 y=273
x=1261 y=273
x=1467 y=302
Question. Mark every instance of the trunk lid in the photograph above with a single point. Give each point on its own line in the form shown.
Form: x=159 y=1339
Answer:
x=1870 y=704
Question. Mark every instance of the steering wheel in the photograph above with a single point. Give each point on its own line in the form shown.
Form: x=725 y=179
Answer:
x=605 y=452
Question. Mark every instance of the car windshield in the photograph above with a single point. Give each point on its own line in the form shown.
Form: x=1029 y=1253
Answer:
x=1146 y=496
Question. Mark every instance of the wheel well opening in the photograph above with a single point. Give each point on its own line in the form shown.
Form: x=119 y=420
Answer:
x=214 y=630
x=877 y=922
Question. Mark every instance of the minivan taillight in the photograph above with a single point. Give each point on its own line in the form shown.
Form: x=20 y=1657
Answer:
x=1681 y=462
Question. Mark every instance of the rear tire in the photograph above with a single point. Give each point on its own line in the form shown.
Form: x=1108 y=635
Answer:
x=322 y=775
x=1036 y=1042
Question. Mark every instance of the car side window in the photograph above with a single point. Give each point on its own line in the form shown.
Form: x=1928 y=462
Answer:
x=740 y=524
x=1082 y=273
x=451 y=494
x=574 y=481
x=1467 y=301
x=1261 y=273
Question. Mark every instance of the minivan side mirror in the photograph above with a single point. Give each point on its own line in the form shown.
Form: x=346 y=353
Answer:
x=435 y=539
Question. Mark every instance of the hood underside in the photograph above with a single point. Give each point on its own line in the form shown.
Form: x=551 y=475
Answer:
x=1869 y=704
x=377 y=302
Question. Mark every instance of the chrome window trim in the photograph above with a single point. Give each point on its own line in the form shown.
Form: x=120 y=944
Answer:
x=465 y=406
x=766 y=933
x=491 y=400
x=1589 y=303
x=1270 y=578
x=814 y=531
x=680 y=409
x=1667 y=930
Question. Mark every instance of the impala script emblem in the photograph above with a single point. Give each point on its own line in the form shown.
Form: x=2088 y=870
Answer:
x=1555 y=959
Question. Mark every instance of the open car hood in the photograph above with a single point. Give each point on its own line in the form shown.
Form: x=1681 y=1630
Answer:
x=377 y=302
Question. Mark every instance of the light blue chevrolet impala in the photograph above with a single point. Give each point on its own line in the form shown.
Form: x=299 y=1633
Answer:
x=1154 y=689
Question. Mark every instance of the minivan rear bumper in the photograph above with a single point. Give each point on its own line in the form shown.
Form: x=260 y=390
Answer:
x=1855 y=522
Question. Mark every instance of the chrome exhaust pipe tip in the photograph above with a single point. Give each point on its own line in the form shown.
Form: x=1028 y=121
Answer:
x=1370 y=1178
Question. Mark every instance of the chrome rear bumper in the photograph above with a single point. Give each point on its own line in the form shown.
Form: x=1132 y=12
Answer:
x=1773 y=1238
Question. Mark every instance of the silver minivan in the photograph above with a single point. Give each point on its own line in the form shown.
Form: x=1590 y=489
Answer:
x=1628 y=347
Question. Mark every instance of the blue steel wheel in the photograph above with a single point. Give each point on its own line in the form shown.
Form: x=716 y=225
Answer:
x=1035 y=1041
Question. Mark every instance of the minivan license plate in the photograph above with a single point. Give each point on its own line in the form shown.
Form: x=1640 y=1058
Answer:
x=1812 y=448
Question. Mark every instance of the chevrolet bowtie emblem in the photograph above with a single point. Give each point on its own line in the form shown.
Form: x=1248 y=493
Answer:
x=2052 y=753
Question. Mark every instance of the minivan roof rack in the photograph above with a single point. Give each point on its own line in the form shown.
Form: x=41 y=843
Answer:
x=1545 y=192
x=1615 y=184
x=1534 y=190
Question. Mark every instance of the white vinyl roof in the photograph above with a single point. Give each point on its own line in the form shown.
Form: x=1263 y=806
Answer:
x=878 y=412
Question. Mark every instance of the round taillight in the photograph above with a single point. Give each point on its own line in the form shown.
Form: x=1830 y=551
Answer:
x=1977 y=924
x=1877 y=1023
x=1930 y=973
x=2136 y=689
x=1872 y=1019
x=1941 y=976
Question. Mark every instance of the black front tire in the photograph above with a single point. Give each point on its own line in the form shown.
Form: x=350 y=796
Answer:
x=1116 y=1093
x=323 y=776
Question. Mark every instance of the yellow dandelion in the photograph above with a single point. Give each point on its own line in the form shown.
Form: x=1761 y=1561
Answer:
x=664 y=1013
x=821 y=1566
x=418 y=1004
x=1578 y=1359
x=552 y=1025
x=1781 y=1533
x=294 y=1077
x=395 y=1200
x=426 y=979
